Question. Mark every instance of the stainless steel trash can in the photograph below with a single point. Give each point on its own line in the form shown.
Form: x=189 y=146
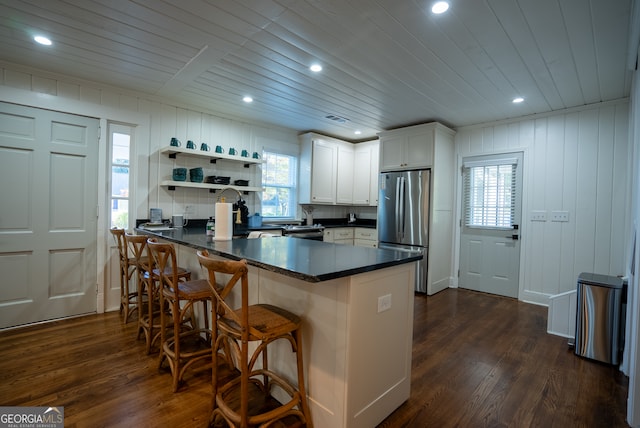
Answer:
x=599 y=317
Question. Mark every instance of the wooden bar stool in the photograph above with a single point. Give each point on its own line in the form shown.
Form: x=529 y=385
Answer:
x=149 y=319
x=181 y=348
x=128 y=298
x=232 y=332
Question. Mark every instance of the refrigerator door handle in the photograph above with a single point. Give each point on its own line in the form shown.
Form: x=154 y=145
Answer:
x=397 y=209
x=402 y=206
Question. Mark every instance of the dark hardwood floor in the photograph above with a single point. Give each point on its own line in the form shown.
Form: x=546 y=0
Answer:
x=478 y=360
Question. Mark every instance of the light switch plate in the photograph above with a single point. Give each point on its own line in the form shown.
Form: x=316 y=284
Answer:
x=562 y=216
x=538 y=215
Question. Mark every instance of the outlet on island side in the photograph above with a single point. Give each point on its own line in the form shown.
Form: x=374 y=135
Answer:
x=384 y=303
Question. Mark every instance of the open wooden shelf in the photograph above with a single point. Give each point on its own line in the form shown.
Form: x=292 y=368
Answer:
x=213 y=157
x=171 y=185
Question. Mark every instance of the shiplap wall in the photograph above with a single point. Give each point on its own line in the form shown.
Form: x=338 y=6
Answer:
x=175 y=121
x=166 y=121
x=576 y=161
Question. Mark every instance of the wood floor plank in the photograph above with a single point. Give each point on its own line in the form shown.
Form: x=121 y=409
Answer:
x=478 y=361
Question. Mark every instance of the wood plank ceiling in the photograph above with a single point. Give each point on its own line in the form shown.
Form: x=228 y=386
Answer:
x=386 y=63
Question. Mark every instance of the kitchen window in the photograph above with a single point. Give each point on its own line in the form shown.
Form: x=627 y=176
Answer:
x=279 y=172
x=120 y=142
x=490 y=193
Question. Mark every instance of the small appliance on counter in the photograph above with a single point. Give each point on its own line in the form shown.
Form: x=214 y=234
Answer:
x=178 y=220
x=241 y=206
x=308 y=210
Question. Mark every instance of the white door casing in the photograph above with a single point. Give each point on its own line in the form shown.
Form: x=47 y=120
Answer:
x=48 y=219
x=490 y=256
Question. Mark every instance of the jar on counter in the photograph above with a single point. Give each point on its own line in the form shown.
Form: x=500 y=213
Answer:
x=211 y=227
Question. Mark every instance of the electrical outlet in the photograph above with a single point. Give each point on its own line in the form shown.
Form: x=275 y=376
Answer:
x=562 y=216
x=384 y=303
x=538 y=215
x=189 y=209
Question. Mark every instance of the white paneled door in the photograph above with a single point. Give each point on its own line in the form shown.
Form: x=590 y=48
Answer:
x=48 y=215
x=490 y=238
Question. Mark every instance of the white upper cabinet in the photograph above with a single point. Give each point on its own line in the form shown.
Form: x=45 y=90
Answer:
x=407 y=148
x=318 y=170
x=365 y=180
x=362 y=174
x=333 y=171
x=344 y=191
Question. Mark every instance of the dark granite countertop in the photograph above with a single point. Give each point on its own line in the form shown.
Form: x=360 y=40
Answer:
x=305 y=259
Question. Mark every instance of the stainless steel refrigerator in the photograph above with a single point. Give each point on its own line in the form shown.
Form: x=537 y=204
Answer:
x=403 y=216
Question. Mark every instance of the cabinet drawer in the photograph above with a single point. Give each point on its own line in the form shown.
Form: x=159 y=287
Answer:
x=365 y=233
x=343 y=241
x=365 y=243
x=343 y=233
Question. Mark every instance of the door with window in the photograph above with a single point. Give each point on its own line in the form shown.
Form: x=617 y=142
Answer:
x=490 y=235
x=48 y=215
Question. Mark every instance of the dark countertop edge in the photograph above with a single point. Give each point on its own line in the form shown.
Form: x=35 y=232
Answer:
x=335 y=226
x=287 y=272
x=326 y=223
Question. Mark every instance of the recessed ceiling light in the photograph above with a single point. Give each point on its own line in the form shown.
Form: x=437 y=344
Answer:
x=358 y=132
x=315 y=68
x=518 y=100
x=42 y=40
x=440 y=7
x=247 y=99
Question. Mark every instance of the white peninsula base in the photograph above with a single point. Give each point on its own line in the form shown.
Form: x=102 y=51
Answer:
x=357 y=339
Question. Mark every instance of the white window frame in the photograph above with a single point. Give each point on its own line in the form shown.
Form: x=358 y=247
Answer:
x=293 y=187
x=493 y=205
x=117 y=128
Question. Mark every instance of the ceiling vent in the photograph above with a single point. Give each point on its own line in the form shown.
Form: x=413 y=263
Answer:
x=337 y=118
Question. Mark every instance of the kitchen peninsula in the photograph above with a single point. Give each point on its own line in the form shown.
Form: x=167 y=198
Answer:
x=357 y=308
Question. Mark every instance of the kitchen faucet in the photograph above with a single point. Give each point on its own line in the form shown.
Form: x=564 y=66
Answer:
x=238 y=212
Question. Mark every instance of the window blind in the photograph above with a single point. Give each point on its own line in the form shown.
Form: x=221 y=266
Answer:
x=489 y=193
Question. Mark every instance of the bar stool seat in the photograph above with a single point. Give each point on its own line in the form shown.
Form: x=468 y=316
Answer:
x=232 y=331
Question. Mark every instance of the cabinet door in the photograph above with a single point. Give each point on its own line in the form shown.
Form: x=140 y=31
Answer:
x=392 y=152
x=419 y=150
x=328 y=235
x=365 y=243
x=324 y=172
x=362 y=175
x=374 y=172
x=343 y=235
x=344 y=189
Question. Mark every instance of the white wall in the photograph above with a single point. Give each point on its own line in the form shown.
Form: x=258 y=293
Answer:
x=165 y=121
x=578 y=161
x=575 y=160
x=632 y=356
x=155 y=122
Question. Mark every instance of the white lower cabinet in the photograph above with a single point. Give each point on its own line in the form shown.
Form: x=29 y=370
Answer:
x=359 y=236
x=365 y=237
x=339 y=235
x=343 y=235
